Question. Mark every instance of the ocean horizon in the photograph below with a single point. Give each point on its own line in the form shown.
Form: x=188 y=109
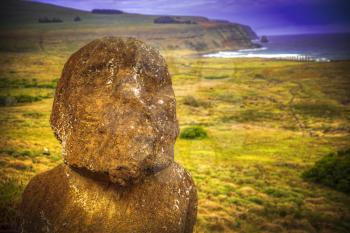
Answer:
x=316 y=47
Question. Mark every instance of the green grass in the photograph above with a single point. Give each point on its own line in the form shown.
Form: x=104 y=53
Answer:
x=247 y=170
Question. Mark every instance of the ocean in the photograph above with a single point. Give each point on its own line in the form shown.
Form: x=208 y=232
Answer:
x=317 y=47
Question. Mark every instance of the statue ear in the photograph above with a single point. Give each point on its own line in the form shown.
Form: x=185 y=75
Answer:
x=59 y=117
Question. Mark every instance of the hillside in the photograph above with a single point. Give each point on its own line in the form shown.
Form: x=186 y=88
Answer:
x=19 y=22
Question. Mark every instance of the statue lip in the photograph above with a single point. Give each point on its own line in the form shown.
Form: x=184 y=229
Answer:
x=125 y=174
x=123 y=178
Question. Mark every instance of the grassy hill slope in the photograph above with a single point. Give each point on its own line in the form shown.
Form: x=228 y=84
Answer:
x=19 y=22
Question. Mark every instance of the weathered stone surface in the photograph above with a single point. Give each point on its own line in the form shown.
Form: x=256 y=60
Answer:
x=114 y=110
x=64 y=200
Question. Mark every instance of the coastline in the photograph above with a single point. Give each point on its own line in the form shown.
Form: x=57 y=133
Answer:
x=323 y=48
x=249 y=53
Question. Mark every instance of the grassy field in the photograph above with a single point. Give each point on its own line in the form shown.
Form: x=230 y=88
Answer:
x=266 y=121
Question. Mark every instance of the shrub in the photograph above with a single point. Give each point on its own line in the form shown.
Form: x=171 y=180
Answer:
x=13 y=100
x=56 y=20
x=34 y=115
x=47 y=20
x=216 y=77
x=193 y=132
x=7 y=101
x=27 y=98
x=44 y=20
x=51 y=85
x=172 y=20
x=333 y=170
x=165 y=19
x=275 y=192
x=193 y=102
x=21 y=166
x=77 y=19
x=10 y=194
x=107 y=11
x=16 y=153
x=320 y=110
x=25 y=83
x=256 y=200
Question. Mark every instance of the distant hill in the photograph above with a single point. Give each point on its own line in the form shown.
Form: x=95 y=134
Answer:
x=19 y=21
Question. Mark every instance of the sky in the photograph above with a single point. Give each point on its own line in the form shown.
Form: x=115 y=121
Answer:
x=264 y=16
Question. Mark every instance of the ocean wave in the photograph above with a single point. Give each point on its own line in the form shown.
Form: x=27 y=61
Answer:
x=252 y=55
x=252 y=50
x=285 y=56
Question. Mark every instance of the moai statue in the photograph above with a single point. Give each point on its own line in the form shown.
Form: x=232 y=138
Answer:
x=115 y=115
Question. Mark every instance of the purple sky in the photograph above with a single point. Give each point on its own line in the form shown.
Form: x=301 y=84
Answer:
x=265 y=16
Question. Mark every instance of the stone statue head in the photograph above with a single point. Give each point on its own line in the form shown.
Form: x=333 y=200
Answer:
x=114 y=110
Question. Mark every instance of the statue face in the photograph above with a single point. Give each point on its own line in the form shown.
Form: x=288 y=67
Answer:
x=115 y=117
